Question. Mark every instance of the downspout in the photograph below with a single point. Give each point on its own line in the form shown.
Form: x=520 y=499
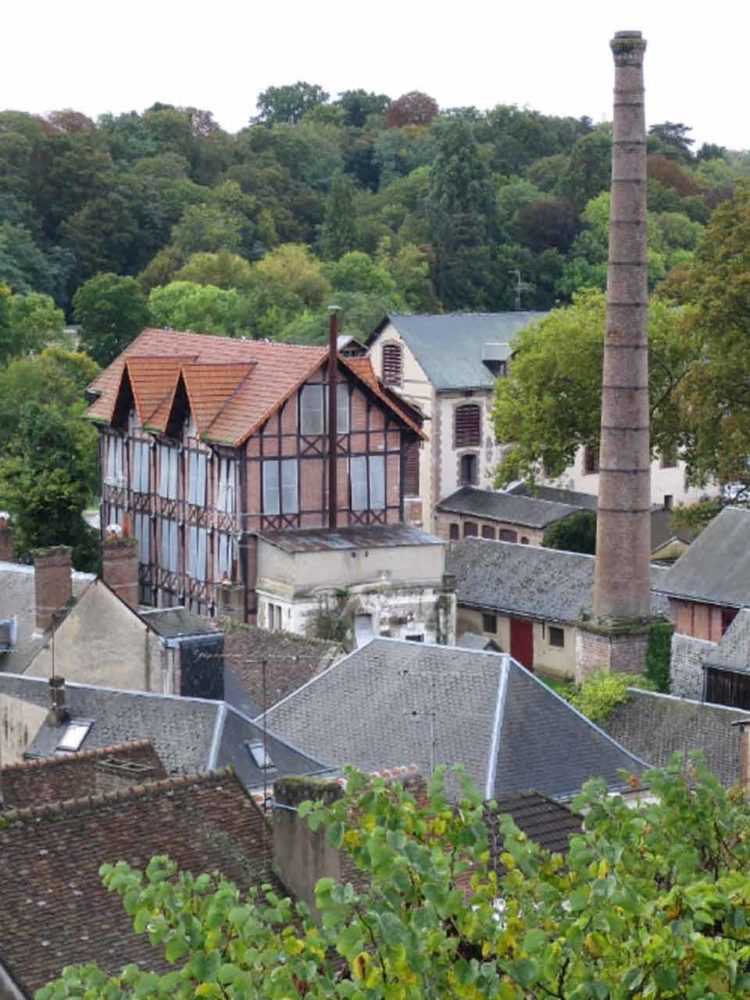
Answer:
x=333 y=332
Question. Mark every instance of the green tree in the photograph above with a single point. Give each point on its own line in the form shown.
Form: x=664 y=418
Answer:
x=294 y=268
x=550 y=403
x=182 y=305
x=339 y=233
x=714 y=287
x=28 y=323
x=357 y=272
x=223 y=269
x=112 y=311
x=288 y=104
x=359 y=105
x=574 y=533
x=463 y=219
x=651 y=901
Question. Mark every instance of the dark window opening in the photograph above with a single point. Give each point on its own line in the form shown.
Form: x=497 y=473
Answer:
x=507 y=535
x=727 y=617
x=556 y=637
x=470 y=529
x=392 y=364
x=415 y=638
x=590 y=460
x=489 y=623
x=489 y=532
x=524 y=540
x=411 y=470
x=668 y=501
x=467 y=426
x=453 y=532
x=468 y=470
x=668 y=459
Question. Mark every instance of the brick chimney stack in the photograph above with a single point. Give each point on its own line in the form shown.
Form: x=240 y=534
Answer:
x=6 y=538
x=53 y=587
x=120 y=567
x=617 y=633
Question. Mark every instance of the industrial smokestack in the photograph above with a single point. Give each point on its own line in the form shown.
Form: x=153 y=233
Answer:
x=622 y=585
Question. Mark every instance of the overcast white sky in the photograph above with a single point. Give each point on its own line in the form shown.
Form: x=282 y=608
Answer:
x=98 y=56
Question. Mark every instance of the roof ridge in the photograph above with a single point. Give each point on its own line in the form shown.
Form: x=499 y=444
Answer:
x=132 y=792
x=38 y=762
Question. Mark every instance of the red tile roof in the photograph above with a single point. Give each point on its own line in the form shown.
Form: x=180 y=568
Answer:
x=54 y=910
x=233 y=386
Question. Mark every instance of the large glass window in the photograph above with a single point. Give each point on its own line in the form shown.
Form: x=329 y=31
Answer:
x=115 y=461
x=168 y=464
x=141 y=479
x=280 y=486
x=197 y=478
x=143 y=534
x=170 y=553
x=226 y=556
x=197 y=553
x=314 y=409
x=367 y=479
x=227 y=486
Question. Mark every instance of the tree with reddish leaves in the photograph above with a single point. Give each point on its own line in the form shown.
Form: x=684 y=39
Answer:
x=414 y=108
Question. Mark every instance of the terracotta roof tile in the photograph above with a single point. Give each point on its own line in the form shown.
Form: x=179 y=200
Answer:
x=54 y=910
x=234 y=386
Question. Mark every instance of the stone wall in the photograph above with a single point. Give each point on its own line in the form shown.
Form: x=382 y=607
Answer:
x=622 y=653
x=686 y=670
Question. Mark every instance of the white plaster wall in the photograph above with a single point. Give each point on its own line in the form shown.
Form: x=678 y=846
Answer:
x=415 y=607
x=664 y=482
x=489 y=451
x=102 y=641
x=294 y=573
x=417 y=389
x=19 y=724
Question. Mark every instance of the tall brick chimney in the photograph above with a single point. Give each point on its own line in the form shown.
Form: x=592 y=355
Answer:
x=120 y=567
x=6 y=538
x=53 y=588
x=622 y=579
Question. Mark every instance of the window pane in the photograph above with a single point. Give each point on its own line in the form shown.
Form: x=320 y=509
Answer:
x=377 y=482
x=271 y=487
x=226 y=486
x=225 y=556
x=143 y=534
x=289 y=493
x=312 y=420
x=342 y=408
x=358 y=476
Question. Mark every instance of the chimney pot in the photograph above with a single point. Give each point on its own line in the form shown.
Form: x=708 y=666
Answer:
x=57 y=713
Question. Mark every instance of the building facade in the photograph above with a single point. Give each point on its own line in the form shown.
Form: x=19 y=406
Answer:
x=205 y=441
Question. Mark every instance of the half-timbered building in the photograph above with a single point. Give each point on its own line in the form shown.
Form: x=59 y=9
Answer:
x=205 y=441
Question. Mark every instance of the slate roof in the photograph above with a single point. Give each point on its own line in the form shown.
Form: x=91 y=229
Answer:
x=655 y=726
x=189 y=734
x=508 y=507
x=546 y=822
x=391 y=701
x=529 y=581
x=716 y=567
x=473 y=640
x=233 y=385
x=365 y=536
x=54 y=910
x=554 y=494
x=449 y=347
x=174 y=623
x=72 y=775
x=290 y=661
x=18 y=600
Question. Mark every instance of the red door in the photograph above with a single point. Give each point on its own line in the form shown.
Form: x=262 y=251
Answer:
x=522 y=642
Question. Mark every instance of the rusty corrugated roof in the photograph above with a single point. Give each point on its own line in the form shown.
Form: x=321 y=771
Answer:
x=233 y=386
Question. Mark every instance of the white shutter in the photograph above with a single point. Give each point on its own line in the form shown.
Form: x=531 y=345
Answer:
x=377 y=482
x=271 y=487
x=358 y=476
x=289 y=491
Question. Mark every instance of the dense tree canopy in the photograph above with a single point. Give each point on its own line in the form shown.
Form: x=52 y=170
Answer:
x=652 y=901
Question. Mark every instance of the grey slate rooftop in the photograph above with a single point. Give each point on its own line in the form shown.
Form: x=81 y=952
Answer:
x=539 y=583
x=508 y=507
x=189 y=734
x=175 y=623
x=474 y=640
x=716 y=567
x=392 y=701
x=18 y=600
x=656 y=726
x=449 y=347
x=546 y=822
x=366 y=536
x=554 y=494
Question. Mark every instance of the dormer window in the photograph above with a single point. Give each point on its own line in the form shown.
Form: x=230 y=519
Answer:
x=260 y=755
x=392 y=364
x=75 y=733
